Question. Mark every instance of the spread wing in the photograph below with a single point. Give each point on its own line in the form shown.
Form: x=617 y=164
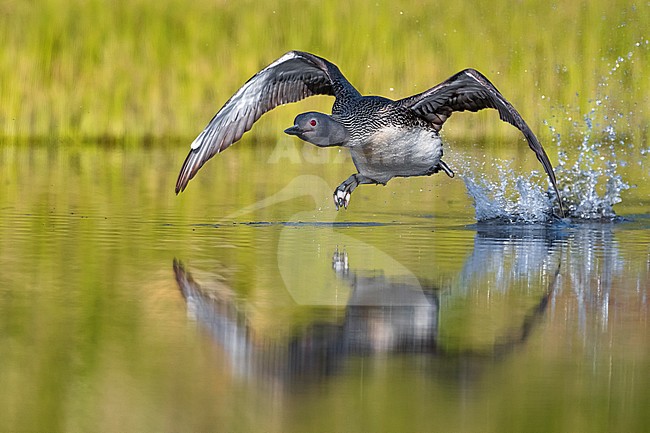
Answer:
x=472 y=91
x=294 y=76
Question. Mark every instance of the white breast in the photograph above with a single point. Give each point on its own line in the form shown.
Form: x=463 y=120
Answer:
x=394 y=151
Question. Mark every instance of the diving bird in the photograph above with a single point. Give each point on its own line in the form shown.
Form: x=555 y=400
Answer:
x=386 y=138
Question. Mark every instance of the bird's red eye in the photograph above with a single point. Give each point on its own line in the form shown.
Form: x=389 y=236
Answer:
x=312 y=122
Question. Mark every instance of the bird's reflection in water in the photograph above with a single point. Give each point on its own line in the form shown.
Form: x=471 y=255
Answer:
x=384 y=315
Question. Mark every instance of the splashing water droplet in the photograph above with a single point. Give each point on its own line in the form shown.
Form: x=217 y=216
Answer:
x=591 y=185
x=509 y=198
x=587 y=171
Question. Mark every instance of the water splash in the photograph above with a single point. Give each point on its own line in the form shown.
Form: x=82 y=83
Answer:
x=511 y=198
x=590 y=181
x=591 y=184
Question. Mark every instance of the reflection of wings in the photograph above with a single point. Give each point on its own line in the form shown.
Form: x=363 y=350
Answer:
x=294 y=76
x=384 y=315
x=472 y=91
x=509 y=257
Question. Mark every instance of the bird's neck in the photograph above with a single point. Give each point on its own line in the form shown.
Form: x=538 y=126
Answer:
x=343 y=90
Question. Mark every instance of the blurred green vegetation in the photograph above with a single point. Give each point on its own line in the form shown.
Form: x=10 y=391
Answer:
x=137 y=69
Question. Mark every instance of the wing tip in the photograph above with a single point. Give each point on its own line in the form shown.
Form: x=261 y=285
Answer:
x=559 y=197
x=188 y=170
x=181 y=183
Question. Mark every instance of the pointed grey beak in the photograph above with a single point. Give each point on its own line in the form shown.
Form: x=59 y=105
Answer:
x=294 y=130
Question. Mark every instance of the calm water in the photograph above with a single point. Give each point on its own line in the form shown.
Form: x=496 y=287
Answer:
x=249 y=304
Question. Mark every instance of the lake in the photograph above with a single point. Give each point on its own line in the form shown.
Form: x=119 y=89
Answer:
x=248 y=303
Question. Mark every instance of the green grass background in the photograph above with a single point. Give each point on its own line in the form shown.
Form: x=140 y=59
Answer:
x=141 y=69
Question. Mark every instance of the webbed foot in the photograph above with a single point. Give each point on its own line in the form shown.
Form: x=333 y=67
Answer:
x=344 y=191
x=342 y=197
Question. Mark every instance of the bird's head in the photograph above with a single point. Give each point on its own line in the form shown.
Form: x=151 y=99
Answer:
x=319 y=129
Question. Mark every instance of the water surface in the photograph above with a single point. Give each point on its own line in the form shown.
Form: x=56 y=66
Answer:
x=249 y=304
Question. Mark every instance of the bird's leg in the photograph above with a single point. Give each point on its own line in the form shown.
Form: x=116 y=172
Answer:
x=442 y=165
x=344 y=190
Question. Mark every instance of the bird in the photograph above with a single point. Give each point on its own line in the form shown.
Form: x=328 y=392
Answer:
x=386 y=138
